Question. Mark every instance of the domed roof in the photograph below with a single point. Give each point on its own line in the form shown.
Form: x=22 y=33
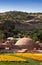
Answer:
x=25 y=42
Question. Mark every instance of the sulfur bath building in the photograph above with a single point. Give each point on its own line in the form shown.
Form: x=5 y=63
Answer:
x=26 y=44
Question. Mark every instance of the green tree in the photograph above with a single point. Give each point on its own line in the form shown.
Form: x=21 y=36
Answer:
x=2 y=36
x=39 y=35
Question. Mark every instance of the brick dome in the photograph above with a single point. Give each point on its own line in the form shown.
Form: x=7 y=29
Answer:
x=26 y=43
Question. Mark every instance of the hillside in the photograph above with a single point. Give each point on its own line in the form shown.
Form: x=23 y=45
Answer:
x=21 y=16
x=22 y=20
x=13 y=22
